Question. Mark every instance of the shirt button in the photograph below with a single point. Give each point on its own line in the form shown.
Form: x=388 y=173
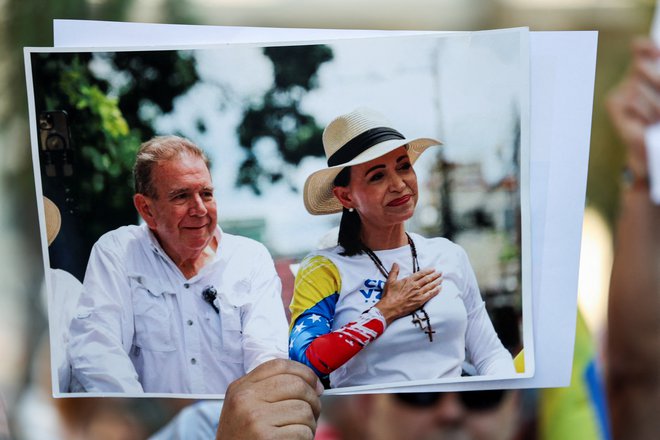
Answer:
x=186 y=285
x=193 y=361
x=190 y=322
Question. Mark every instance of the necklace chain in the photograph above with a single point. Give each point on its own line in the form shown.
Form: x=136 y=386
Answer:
x=420 y=317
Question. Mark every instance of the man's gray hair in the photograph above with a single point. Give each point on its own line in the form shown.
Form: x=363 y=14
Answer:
x=159 y=149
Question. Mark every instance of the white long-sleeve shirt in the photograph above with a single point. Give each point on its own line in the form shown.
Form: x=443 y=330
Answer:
x=63 y=295
x=141 y=325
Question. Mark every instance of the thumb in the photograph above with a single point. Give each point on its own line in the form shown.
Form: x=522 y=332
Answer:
x=394 y=273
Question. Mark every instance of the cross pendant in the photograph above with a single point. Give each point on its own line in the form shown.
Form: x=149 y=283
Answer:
x=429 y=332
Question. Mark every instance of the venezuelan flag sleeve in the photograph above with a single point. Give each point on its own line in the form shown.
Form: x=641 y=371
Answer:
x=311 y=339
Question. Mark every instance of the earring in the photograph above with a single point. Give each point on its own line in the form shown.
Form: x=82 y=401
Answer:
x=350 y=210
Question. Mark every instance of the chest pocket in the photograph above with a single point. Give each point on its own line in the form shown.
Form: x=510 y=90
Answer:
x=151 y=314
x=229 y=344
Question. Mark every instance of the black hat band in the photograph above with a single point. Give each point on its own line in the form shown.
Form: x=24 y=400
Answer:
x=361 y=143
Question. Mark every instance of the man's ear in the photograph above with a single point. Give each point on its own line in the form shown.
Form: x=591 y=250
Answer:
x=344 y=196
x=143 y=206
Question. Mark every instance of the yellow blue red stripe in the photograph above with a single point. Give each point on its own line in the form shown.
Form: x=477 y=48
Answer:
x=315 y=296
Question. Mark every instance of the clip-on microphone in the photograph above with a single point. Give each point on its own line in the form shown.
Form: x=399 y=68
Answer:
x=209 y=294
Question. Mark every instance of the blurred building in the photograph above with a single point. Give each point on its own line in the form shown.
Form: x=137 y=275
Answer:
x=483 y=218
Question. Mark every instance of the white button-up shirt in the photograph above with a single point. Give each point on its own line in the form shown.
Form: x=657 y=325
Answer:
x=140 y=325
x=63 y=295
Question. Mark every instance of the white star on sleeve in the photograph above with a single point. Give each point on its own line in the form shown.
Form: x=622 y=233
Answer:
x=299 y=327
x=315 y=318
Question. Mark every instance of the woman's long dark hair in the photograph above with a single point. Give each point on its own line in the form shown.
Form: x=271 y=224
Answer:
x=350 y=224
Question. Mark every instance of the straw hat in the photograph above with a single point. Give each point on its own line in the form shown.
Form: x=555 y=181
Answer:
x=53 y=220
x=354 y=138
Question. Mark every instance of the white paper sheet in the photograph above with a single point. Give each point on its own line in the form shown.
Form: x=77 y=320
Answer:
x=653 y=133
x=562 y=80
x=90 y=33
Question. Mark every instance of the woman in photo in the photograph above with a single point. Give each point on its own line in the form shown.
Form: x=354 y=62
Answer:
x=415 y=301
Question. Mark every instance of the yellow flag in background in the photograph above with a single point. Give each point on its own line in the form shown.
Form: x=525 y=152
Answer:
x=578 y=411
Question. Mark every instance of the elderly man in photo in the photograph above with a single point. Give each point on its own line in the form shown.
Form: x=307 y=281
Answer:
x=175 y=305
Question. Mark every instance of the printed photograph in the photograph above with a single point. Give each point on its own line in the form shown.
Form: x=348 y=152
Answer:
x=359 y=206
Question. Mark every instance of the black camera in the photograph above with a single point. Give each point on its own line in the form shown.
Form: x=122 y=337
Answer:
x=55 y=144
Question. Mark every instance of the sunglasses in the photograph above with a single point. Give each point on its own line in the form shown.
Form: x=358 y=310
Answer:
x=482 y=400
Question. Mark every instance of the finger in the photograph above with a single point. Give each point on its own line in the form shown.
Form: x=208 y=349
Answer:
x=394 y=273
x=430 y=286
x=648 y=71
x=430 y=278
x=270 y=420
x=285 y=387
x=428 y=296
x=618 y=99
x=626 y=117
x=295 y=432
x=421 y=274
x=650 y=97
x=283 y=366
x=645 y=47
x=631 y=102
x=644 y=105
x=292 y=412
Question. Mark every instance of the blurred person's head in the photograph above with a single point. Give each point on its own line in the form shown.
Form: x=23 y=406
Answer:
x=473 y=415
x=101 y=418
